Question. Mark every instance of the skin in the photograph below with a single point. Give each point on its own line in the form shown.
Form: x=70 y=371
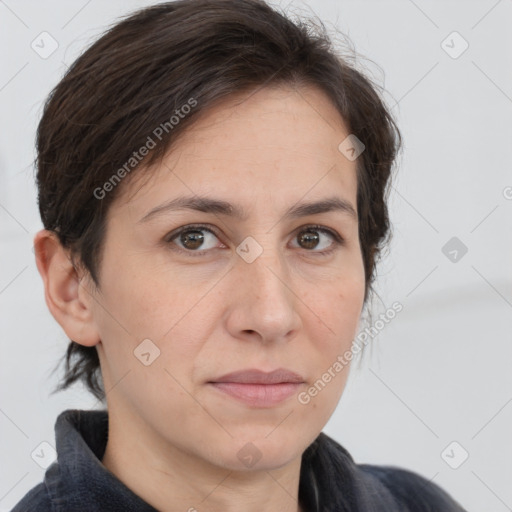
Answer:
x=173 y=439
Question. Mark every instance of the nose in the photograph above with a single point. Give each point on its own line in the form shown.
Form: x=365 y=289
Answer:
x=262 y=303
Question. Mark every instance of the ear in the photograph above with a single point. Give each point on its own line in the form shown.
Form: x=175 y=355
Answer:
x=68 y=296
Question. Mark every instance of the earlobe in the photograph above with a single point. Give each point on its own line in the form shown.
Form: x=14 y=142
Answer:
x=64 y=290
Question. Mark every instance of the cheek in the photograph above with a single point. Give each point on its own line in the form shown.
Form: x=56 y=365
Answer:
x=350 y=303
x=145 y=300
x=338 y=308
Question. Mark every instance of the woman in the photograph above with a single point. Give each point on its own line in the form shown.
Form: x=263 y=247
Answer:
x=212 y=183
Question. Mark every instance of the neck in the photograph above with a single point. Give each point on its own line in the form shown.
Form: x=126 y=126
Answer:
x=170 y=479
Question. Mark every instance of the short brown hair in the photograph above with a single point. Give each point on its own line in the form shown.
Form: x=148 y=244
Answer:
x=145 y=68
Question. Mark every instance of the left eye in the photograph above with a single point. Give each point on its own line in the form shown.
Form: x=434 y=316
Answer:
x=192 y=238
x=311 y=238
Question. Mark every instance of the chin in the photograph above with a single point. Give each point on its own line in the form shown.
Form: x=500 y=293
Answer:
x=261 y=453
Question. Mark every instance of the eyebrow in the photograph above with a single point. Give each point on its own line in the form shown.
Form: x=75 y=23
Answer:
x=220 y=207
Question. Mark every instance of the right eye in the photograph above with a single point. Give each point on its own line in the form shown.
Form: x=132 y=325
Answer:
x=192 y=237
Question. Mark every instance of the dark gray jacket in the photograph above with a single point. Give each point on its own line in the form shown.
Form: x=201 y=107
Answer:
x=330 y=480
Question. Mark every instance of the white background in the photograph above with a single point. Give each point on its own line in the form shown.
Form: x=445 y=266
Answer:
x=441 y=370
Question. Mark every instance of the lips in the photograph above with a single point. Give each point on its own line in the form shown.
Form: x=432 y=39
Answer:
x=253 y=376
x=257 y=388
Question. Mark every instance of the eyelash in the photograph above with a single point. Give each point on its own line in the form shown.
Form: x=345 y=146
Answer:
x=337 y=239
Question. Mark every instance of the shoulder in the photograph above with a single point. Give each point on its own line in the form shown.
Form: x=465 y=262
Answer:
x=411 y=490
x=35 y=499
x=343 y=484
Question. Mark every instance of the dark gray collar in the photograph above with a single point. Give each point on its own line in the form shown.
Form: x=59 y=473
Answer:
x=78 y=481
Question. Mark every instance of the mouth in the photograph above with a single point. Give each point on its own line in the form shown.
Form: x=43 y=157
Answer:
x=257 y=388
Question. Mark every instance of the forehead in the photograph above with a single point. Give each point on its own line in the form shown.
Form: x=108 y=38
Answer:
x=279 y=143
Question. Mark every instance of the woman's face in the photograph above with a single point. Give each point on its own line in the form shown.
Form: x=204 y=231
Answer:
x=261 y=291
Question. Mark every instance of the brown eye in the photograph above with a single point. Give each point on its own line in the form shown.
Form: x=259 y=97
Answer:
x=193 y=239
x=198 y=240
x=310 y=238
